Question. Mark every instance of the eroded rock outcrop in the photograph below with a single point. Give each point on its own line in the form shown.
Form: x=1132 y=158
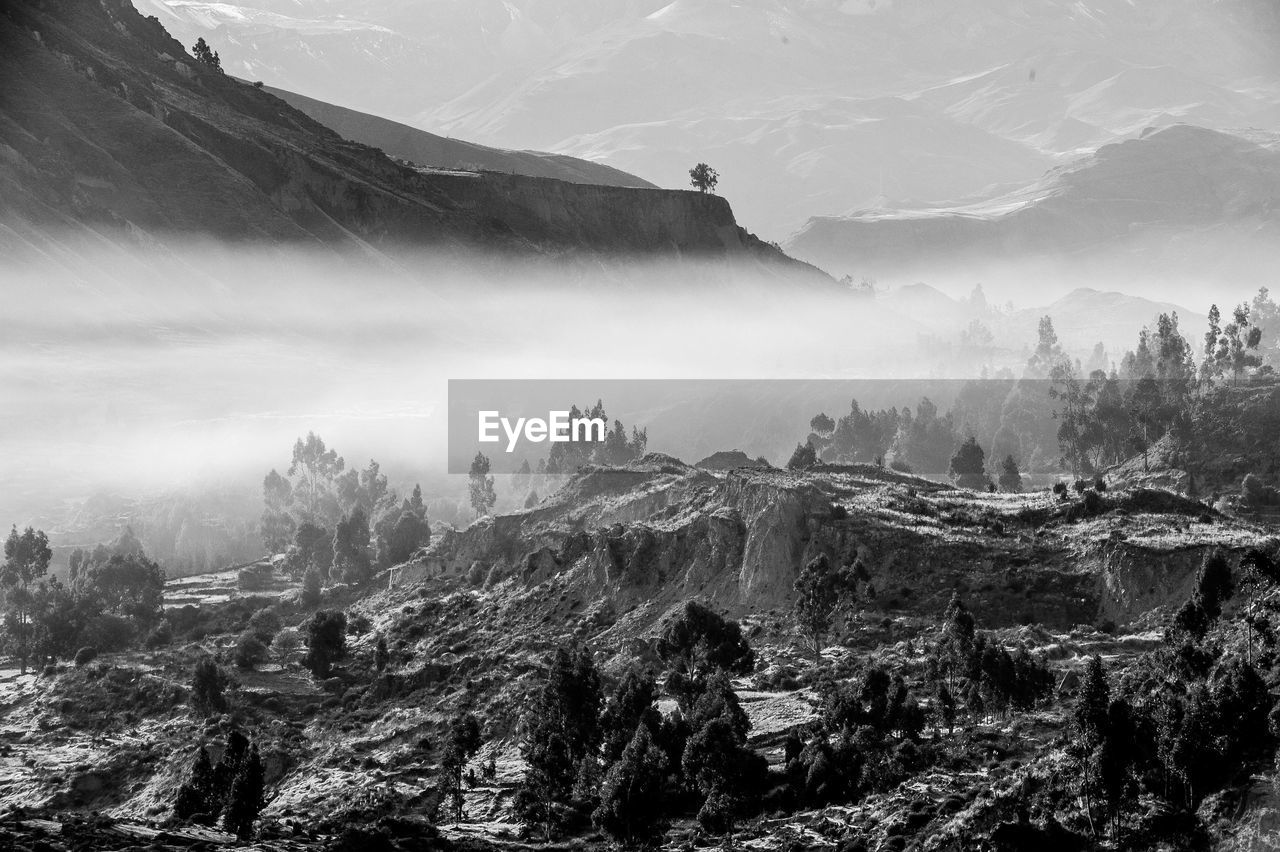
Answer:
x=658 y=532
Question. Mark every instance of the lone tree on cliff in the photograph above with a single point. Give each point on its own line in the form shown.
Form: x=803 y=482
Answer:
x=703 y=178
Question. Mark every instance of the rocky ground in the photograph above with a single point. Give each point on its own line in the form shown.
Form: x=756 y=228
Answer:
x=90 y=757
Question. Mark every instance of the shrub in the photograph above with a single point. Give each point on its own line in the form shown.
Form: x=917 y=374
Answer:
x=1090 y=505
x=161 y=636
x=1099 y=484
x=108 y=632
x=803 y=458
x=85 y=656
x=777 y=679
x=265 y=623
x=1254 y=493
x=207 y=686
x=254 y=578
x=286 y=644
x=1010 y=476
x=967 y=466
x=250 y=651
x=839 y=513
x=1060 y=488
x=400 y=536
x=311 y=590
x=326 y=642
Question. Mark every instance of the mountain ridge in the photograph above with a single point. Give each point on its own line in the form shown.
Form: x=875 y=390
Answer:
x=114 y=135
x=806 y=108
x=429 y=149
x=1168 y=182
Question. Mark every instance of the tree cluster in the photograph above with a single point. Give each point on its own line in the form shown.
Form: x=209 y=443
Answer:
x=113 y=597
x=922 y=441
x=1059 y=414
x=1186 y=721
x=206 y=55
x=340 y=522
x=326 y=633
x=967 y=665
x=232 y=790
x=822 y=593
x=618 y=762
x=619 y=446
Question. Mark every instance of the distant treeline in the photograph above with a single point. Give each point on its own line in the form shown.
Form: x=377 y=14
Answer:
x=1060 y=415
x=337 y=523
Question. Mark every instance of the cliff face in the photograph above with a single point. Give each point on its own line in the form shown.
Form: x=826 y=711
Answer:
x=627 y=220
x=110 y=132
x=658 y=532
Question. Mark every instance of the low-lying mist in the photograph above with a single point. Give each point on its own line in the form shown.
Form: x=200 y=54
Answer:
x=138 y=373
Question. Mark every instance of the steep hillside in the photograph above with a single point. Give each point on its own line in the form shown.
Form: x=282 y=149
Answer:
x=1163 y=196
x=428 y=149
x=111 y=132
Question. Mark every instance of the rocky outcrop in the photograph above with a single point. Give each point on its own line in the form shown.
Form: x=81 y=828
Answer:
x=1136 y=580
x=1133 y=583
x=654 y=534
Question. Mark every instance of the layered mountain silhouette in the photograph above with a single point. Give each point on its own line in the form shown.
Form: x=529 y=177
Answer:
x=111 y=132
x=1170 y=195
x=807 y=107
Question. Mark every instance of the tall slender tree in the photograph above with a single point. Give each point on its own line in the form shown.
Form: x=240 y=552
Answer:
x=821 y=593
x=483 y=497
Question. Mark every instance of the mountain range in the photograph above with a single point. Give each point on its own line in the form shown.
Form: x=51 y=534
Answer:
x=1171 y=199
x=806 y=107
x=113 y=135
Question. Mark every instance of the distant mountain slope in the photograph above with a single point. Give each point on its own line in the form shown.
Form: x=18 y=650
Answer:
x=428 y=149
x=1082 y=318
x=110 y=132
x=1152 y=195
